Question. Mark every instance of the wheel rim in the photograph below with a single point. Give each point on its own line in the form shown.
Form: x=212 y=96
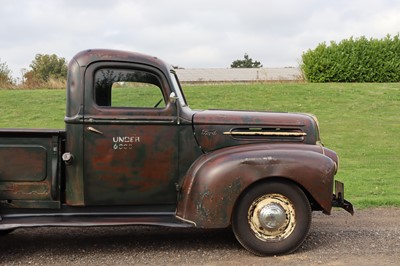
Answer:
x=272 y=217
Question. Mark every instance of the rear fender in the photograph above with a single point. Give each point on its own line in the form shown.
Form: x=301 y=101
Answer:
x=216 y=180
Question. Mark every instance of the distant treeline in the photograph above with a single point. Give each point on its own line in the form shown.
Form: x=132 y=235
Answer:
x=350 y=60
x=46 y=71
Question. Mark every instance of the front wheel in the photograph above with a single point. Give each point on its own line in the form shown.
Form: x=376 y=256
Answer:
x=272 y=218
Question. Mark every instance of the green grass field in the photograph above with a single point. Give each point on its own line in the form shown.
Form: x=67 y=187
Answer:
x=359 y=121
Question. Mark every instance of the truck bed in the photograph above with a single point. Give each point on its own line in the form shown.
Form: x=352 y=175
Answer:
x=30 y=167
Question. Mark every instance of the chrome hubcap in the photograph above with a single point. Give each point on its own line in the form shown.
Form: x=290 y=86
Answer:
x=272 y=217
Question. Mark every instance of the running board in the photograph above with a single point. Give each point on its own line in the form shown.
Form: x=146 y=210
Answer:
x=13 y=221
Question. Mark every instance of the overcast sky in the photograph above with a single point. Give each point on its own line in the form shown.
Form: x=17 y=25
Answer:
x=188 y=33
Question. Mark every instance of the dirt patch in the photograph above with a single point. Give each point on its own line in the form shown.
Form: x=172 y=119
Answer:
x=371 y=237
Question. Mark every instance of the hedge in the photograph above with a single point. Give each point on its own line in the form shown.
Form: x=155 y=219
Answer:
x=354 y=60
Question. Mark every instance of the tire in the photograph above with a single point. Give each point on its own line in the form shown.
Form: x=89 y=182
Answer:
x=272 y=218
x=5 y=232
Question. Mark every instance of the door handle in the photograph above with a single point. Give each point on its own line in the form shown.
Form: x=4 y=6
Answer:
x=92 y=129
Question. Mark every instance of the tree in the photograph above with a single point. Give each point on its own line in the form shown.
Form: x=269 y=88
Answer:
x=46 y=67
x=247 y=62
x=5 y=74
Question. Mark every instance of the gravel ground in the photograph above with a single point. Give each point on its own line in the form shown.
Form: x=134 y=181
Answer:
x=371 y=237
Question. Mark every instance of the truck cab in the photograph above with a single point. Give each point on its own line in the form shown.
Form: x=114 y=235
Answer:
x=133 y=152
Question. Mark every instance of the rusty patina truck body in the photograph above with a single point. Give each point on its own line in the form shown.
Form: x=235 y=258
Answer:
x=133 y=152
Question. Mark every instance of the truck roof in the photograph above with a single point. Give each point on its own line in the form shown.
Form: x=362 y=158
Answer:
x=86 y=57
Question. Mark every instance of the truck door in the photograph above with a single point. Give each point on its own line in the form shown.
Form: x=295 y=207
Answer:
x=130 y=136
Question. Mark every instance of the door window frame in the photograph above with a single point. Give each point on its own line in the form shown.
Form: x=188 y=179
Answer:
x=93 y=111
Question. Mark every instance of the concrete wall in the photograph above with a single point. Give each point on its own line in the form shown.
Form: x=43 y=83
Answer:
x=239 y=74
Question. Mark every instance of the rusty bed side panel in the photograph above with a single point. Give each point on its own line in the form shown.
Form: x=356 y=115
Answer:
x=29 y=167
x=216 y=181
x=22 y=163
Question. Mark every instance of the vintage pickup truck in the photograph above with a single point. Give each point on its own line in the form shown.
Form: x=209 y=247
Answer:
x=134 y=153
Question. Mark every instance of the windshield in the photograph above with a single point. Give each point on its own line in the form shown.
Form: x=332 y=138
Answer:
x=178 y=89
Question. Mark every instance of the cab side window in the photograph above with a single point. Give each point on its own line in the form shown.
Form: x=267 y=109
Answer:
x=127 y=88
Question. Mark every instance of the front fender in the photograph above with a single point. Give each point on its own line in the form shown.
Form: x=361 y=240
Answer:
x=215 y=181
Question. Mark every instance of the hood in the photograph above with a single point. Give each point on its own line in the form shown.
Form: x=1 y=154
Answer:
x=215 y=129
